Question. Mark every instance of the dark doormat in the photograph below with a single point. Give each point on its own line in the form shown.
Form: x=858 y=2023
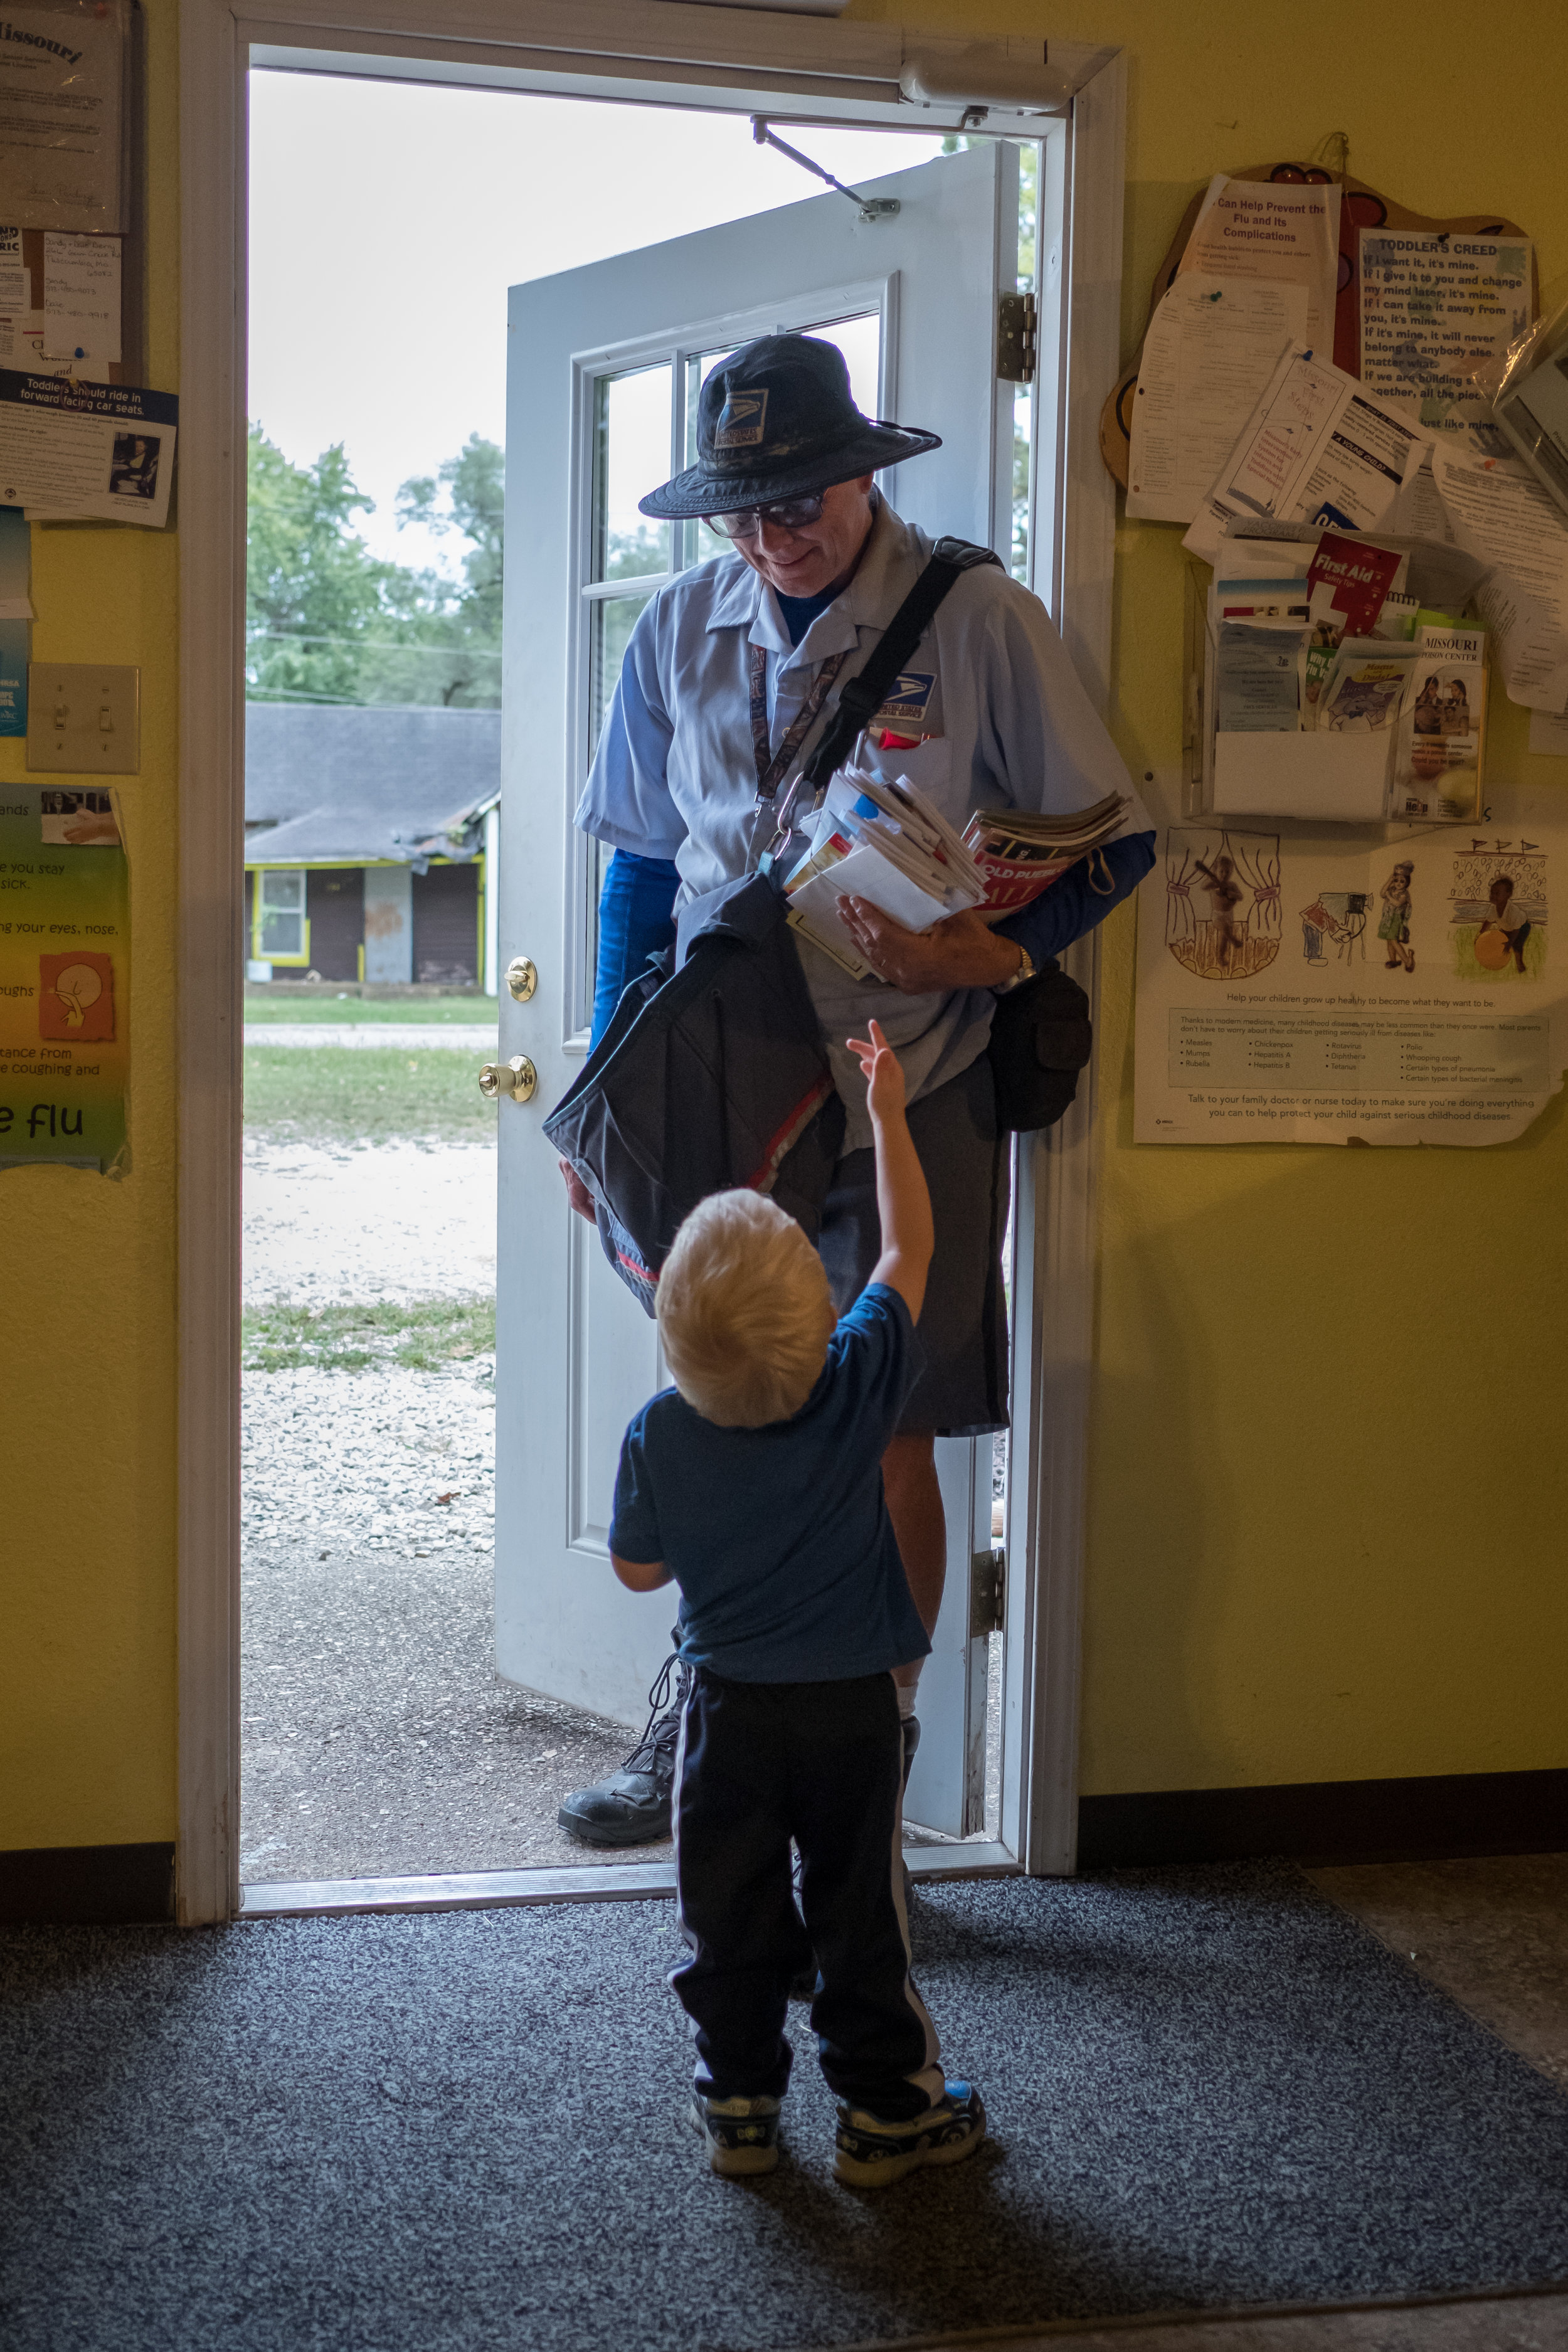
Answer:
x=1208 y=2087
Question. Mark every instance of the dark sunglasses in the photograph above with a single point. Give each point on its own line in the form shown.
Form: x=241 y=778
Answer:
x=788 y=514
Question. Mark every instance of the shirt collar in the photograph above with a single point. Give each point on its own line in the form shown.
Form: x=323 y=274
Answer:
x=737 y=598
x=895 y=557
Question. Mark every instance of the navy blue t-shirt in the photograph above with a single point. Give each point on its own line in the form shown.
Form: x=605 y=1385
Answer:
x=779 y=1538
x=797 y=612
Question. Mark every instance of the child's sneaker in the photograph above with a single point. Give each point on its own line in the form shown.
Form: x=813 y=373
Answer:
x=742 y=2135
x=873 y=2154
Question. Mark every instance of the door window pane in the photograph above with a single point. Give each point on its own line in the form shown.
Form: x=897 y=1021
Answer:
x=611 y=619
x=631 y=457
x=281 y=930
x=860 y=340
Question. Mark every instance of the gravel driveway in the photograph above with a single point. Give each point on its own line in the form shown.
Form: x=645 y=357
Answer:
x=401 y=1220
x=375 y=1739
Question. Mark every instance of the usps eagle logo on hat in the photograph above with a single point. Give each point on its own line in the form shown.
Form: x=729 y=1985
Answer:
x=740 y=421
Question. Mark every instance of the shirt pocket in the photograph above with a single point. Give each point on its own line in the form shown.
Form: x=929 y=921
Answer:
x=928 y=768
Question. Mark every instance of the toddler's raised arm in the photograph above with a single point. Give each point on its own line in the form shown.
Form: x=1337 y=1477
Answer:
x=903 y=1202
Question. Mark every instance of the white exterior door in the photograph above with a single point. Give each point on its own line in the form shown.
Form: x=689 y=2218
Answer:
x=605 y=365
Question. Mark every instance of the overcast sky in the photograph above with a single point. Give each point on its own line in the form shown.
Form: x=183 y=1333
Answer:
x=388 y=220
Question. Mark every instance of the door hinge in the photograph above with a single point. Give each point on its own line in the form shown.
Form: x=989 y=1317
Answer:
x=1016 y=325
x=987 y=1591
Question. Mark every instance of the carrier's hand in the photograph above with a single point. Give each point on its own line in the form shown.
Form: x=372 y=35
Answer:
x=577 y=1193
x=884 y=1073
x=961 y=951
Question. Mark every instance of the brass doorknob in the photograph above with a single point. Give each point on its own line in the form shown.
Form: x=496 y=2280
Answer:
x=517 y=1078
x=521 y=977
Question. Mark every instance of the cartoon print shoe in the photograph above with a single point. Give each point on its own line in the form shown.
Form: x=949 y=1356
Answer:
x=873 y=2153
x=742 y=2135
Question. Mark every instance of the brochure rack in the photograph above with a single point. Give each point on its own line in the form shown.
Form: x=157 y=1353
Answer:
x=1316 y=775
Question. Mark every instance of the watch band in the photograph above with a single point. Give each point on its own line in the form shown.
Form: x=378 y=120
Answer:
x=1026 y=971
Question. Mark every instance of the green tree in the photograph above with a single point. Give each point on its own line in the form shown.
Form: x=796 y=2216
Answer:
x=329 y=622
x=315 y=591
x=467 y=495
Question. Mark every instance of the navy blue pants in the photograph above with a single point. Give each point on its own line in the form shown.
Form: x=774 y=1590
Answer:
x=758 y=1764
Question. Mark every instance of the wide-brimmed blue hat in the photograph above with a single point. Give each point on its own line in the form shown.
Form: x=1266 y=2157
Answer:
x=775 y=421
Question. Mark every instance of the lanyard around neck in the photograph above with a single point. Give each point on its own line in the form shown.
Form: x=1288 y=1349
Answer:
x=773 y=766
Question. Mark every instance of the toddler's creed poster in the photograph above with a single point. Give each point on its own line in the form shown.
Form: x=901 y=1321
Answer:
x=65 y=972
x=1298 y=986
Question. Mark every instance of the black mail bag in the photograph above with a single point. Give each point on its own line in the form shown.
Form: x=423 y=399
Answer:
x=710 y=1077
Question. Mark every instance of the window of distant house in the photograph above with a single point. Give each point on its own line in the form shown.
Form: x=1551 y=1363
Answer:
x=281 y=934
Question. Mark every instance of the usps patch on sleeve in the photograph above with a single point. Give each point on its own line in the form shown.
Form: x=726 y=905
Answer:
x=740 y=421
x=909 y=698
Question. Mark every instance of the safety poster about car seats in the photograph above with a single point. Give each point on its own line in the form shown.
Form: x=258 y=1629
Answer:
x=1385 y=985
x=65 y=969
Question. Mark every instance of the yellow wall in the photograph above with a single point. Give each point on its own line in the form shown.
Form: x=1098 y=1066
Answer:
x=87 y=1297
x=1327 y=1529
x=1326 y=1521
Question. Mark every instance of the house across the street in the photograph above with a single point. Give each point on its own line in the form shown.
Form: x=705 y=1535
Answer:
x=370 y=839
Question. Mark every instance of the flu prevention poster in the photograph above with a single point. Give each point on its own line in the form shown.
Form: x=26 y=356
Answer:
x=65 y=974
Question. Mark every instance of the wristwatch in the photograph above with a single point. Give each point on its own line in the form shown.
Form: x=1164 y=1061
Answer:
x=1026 y=968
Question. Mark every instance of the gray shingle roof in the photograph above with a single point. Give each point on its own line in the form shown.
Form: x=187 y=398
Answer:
x=341 y=781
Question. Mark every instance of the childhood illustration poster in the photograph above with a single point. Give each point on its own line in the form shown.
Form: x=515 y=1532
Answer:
x=65 y=947
x=1298 y=986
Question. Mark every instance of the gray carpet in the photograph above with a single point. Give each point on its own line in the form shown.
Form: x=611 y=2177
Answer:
x=406 y=2135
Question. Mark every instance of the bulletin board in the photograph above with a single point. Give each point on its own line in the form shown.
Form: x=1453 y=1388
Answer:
x=1361 y=207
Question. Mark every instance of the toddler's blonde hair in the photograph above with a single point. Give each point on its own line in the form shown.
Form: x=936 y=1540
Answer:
x=744 y=1311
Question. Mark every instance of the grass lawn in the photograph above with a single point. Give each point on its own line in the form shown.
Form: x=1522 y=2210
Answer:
x=364 y=1094
x=427 y=1335
x=326 y=1007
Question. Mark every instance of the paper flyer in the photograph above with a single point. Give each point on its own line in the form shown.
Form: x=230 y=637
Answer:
x=62 y=116
x=13 y=270
x=81 y=298
x=64 y=973
x=86 y=452
x=1434 y=308
x=1317 y=448
x=1500 y=514
x=1211 y=348
x=1299 y=988
x=1284 y=232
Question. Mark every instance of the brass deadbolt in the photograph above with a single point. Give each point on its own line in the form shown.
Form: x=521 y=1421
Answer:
x=517 y=1078
x=521 y=977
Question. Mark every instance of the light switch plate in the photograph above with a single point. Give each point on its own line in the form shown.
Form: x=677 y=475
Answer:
x=85 y=718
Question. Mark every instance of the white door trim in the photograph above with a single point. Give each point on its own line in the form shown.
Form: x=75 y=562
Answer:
x=1057 y=1173
x=674 y=53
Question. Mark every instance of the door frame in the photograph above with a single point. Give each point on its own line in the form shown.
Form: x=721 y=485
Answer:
x=746 y=59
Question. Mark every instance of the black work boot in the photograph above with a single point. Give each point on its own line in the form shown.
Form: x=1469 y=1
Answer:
x=633 y=1806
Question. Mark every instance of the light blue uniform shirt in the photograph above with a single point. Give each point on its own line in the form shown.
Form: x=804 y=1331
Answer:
x=990 y=683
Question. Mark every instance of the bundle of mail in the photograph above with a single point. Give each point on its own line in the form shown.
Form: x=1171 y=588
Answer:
x=885 y=842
